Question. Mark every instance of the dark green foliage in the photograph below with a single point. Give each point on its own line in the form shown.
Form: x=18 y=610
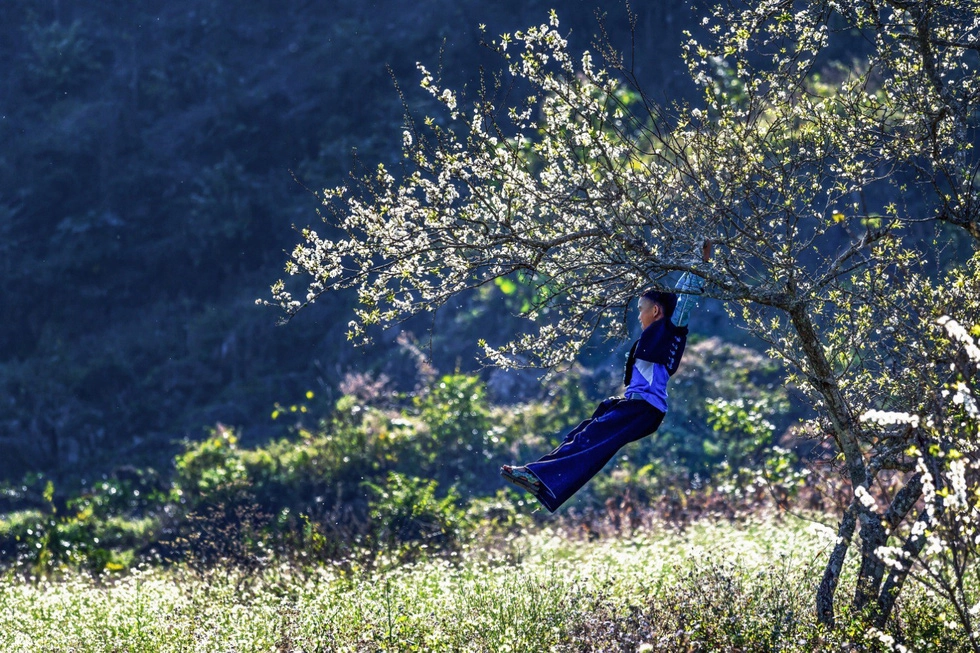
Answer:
x=408 y=518
x=128 y=491
x=458 y=443
x=716 y=370
x=62 y=60
x=98 y=530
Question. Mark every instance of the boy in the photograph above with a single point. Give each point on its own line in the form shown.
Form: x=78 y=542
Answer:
x=652 y=360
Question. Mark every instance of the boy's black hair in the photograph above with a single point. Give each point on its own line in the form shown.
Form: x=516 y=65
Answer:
x=667 y=300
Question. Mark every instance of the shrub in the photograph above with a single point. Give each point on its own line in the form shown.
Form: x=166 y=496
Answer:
x=408 y=517
x=457 y=442
x=45 y=542
x=346 y=480
x=743 y=457
x=210 y=465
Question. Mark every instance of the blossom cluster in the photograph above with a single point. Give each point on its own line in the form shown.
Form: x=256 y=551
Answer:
x=568 y=201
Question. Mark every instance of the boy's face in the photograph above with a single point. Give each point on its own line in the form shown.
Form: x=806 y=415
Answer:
x=650 y=312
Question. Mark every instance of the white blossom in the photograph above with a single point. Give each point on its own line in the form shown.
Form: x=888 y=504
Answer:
x=448 y=98
x=961 y=335
x=864 y=497
x=886 y=418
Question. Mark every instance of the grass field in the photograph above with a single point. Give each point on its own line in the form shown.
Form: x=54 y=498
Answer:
x=714 y=586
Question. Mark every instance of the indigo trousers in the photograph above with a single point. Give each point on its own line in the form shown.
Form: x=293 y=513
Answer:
x=590 y=445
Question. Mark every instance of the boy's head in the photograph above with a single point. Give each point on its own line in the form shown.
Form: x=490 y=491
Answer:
x=654 y=305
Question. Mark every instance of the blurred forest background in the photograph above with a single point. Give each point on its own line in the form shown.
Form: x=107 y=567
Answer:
x=147 y=197
x=156 y=158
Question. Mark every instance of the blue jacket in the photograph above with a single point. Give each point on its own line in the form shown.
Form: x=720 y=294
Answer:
x=656 y=355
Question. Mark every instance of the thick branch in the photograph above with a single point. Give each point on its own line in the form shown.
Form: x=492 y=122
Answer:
x=874 y=534
x=892 y=586
x=831 y=574
x=821 y=375
x=904 y=501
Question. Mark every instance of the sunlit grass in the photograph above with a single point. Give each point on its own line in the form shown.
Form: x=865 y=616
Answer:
x=749 y=584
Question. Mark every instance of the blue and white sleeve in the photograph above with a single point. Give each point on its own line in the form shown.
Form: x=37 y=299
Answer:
x=688 y=287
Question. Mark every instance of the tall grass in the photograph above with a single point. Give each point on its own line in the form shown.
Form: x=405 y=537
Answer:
x=714 y=586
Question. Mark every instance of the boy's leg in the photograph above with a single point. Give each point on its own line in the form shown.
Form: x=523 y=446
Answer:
x=600 y=410
x=590 y=446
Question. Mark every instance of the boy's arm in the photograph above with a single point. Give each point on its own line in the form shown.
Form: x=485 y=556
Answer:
x=688 y=287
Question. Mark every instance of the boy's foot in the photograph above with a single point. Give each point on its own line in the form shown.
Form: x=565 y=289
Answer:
x=522 y=478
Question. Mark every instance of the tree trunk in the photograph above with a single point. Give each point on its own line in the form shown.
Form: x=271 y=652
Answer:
x=846 y=429
x=873 y=536
x=831 y=574
x=821 y=376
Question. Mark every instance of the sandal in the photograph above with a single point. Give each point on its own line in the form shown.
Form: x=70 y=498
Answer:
x=522 y=478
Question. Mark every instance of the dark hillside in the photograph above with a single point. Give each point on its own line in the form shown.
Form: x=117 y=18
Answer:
x=146 y=197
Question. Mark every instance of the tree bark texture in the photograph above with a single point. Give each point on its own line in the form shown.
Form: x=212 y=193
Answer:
x=872 y=570
x=896 y=578
x=831 y=574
